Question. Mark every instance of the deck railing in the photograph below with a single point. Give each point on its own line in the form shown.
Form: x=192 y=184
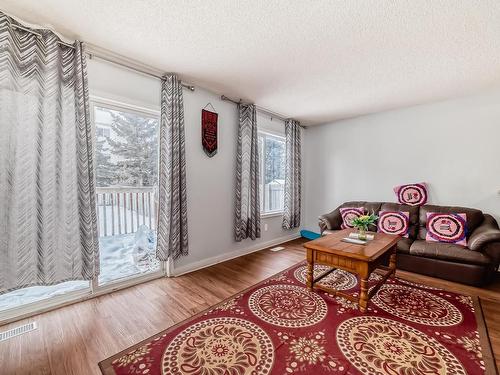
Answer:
x=274 y=196
x=123 y=210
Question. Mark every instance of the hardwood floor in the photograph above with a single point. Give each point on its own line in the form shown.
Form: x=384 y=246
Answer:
x=73 y=339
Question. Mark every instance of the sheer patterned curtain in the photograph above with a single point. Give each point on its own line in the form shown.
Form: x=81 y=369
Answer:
x=172 y=211
x=291 y=212
x=48 y=223
x=247 y=212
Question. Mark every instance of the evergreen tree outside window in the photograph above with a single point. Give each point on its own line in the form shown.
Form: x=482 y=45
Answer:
x=126 y=168
x=127 y=150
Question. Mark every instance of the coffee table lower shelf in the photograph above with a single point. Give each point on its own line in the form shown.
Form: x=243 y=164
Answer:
x=338 y=293
x=361 y=268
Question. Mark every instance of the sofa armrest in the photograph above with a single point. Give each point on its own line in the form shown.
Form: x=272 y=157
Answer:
x=492 y=249
x=323 y=224
x=486 y=233
x=330 y=221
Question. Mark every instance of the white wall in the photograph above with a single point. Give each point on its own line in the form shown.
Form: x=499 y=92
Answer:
x=210 y=181
x=453 y=145
x=124 y=85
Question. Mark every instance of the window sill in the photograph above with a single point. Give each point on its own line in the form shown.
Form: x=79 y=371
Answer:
x=271 y=214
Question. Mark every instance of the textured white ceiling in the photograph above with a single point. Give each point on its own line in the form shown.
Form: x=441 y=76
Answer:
x=316 y=61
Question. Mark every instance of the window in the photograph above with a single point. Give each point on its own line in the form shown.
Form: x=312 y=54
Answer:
x=126 y=168
x=272 y=172
x=126 y=164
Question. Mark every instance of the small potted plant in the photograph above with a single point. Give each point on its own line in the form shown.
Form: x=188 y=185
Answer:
x=362 y=224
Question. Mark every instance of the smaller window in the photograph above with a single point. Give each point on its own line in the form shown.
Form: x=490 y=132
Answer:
x=272 y=173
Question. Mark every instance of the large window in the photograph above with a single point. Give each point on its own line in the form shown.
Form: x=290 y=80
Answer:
x=125 y=113
x=126 y=166
x=272 y=172
x=126 y=190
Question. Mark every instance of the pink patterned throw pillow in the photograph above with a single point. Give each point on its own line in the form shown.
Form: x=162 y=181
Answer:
x=349 y=213
x=448 y=228
x=394 y=222
x=412 y=194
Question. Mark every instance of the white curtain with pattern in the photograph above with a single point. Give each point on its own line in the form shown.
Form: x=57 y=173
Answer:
x=247 y=195
x=172 y=212
x=48 y=223
x=291 y=212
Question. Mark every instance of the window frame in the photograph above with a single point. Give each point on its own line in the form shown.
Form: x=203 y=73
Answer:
x=274 y=134
x=99 y=101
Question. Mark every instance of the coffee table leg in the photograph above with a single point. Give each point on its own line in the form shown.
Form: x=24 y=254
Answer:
x=392 y=261
x=310 y=268
x=363 y=295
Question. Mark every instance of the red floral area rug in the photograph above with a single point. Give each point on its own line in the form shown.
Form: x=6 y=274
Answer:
x=280 y=327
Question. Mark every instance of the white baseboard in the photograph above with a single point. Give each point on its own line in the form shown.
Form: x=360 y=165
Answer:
x=191 y=267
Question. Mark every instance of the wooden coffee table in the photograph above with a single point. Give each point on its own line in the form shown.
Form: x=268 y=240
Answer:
x=361 y=260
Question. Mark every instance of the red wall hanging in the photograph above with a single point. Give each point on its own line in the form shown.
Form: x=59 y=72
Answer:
x=209 y=132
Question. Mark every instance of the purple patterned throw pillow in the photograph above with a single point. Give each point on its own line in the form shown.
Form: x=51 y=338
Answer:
x=394 y=222
x=412 y=194
x=448 y=228
x=349 y=213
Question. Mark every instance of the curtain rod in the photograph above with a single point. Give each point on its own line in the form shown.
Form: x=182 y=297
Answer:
x=94 y=55
x=259 y=109
x=102 y=56
x=225 y=98
x=98 y=53
x=38 y=35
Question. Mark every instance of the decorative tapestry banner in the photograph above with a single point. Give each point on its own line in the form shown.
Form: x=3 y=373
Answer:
x=209 y=132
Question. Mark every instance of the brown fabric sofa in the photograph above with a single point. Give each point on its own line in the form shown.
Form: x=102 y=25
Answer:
x=474 y=265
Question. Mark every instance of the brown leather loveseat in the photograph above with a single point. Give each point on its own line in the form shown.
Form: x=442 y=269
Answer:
x=475 y=264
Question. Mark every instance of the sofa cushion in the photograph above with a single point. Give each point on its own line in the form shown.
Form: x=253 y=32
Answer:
x=333 y=220
x=404 y=245
x=412 y=210
x=450 y=252
x=369 y=208
x=474 y=217
x=348 y=214
x=394 y=222
x=448 y=228
x=412 y=194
